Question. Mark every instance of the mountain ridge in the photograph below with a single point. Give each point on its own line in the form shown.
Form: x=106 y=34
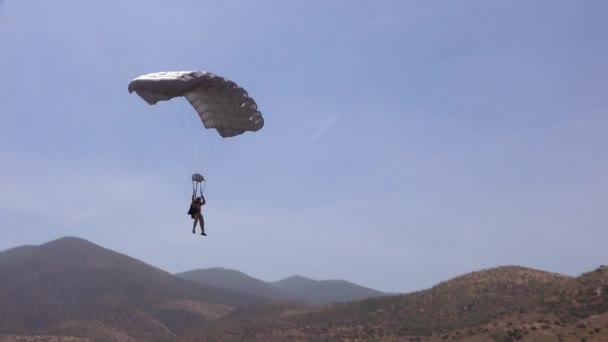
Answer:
x=70 y=288
x=74 y=279
x=293 y=288
x=504 y=303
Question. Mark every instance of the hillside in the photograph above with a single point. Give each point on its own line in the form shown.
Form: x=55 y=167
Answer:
x=502 y=304
x=467 y=300
x=69 y=284
x=70 y=289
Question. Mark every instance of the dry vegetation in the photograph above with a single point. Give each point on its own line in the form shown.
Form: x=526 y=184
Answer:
x=41 y=338
x=501 y=304
x=71 y=287
x=75 y=291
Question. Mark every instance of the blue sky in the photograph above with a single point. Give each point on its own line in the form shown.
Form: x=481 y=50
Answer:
x=406 y=142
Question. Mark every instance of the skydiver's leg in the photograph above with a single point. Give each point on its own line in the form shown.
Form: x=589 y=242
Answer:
x=194 y=225
x=202 y=223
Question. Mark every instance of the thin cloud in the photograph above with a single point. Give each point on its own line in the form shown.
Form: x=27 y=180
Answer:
x=325 y=126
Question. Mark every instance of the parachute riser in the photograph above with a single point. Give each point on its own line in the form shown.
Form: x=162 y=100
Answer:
x=198 y=188
x=198 y=184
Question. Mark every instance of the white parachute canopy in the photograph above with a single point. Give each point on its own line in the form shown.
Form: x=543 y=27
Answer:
x=220 y=103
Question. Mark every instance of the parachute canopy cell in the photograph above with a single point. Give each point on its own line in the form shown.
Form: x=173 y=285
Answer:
x=220 y=103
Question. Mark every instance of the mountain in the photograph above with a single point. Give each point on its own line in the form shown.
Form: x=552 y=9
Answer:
x=294 y=288
x=467 y=300
x=73 y=287
x=501 y=304
x=233 y=280
x=70 y=290
x=323 y=291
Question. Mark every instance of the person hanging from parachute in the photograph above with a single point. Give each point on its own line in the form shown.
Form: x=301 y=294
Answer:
x=220 y=103
x=197 y=203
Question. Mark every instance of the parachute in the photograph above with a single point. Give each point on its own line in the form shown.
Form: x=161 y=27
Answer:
x=220 y=103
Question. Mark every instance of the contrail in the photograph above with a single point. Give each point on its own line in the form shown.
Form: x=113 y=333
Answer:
x=324 y=127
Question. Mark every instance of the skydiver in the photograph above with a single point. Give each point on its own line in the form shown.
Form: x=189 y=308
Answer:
x=195 y=213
